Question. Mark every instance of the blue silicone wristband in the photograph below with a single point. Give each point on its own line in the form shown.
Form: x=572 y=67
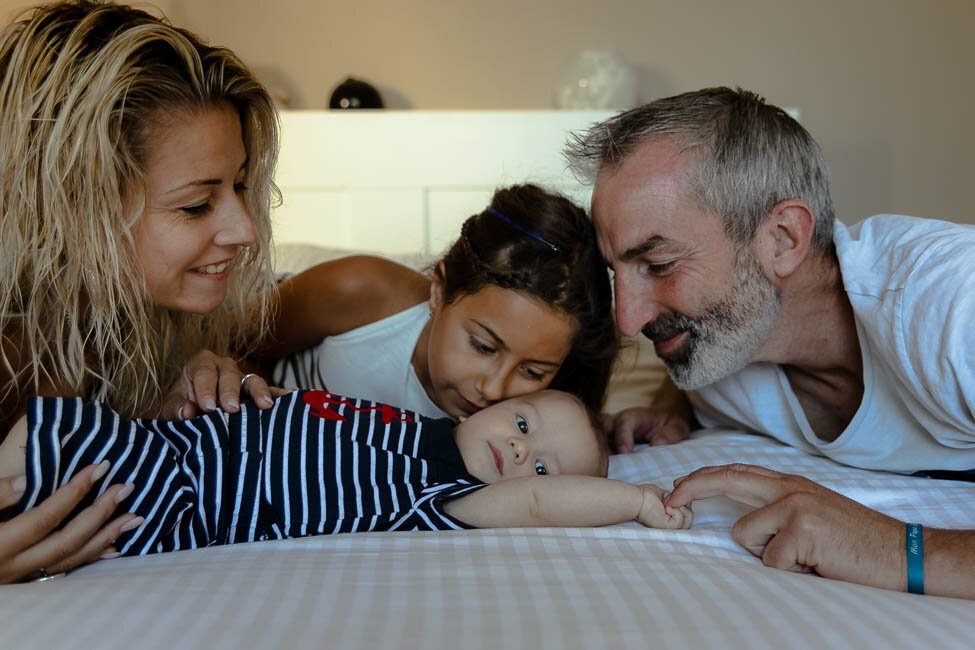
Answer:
x=915 y=559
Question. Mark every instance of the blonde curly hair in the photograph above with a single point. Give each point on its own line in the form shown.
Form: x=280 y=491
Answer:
x=83 y=84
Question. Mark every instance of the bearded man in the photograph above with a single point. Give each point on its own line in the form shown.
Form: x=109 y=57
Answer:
x=857 y=343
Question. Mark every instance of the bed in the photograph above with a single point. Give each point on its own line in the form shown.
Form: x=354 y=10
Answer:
x=618 y=586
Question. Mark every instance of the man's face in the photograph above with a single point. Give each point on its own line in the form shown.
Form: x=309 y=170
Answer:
x=706 y=305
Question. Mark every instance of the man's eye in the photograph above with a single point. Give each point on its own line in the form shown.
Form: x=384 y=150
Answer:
x=656 y=269
x=522 y=424
x=540 y=468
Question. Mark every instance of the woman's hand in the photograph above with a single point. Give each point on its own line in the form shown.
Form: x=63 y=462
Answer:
x=206 y=376
x=29 y=548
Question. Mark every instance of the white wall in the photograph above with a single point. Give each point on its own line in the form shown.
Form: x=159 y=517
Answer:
x=886 y=86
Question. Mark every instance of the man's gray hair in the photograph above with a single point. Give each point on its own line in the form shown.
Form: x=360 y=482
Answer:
x=749 y=155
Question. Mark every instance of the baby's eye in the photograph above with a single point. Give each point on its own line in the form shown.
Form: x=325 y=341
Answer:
x=522 y=424
x=540 y=468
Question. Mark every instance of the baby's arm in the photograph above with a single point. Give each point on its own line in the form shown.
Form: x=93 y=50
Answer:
x=565 y=500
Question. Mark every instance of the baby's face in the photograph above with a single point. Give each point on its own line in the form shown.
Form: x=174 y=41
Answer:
x=546 y=432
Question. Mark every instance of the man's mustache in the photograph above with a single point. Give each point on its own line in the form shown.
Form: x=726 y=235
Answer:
x=667 y=326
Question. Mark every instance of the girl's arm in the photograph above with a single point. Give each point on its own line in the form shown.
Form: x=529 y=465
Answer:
x=565 y=500
x=338 y=296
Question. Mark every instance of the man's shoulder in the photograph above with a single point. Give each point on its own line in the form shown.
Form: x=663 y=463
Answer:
x=889 y=253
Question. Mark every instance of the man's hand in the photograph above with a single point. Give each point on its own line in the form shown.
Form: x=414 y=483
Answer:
x=802 y=526
x=639 y=424
x=654 y=514
x=206 y=376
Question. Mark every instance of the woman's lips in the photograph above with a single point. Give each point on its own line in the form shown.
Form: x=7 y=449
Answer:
x=498 y=458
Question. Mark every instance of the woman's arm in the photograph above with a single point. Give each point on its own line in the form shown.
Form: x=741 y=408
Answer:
x=338 y=296
x=566 y=501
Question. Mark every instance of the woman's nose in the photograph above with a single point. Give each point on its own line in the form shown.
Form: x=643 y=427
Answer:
x=492 y=386
x=236 y=229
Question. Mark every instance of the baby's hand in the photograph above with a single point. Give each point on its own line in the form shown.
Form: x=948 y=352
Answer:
x=654 y=514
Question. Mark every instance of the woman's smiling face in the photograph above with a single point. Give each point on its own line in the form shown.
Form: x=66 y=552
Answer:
x=195 y=219
x=488 y=346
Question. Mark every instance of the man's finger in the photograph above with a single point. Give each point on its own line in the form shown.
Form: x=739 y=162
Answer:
x=738 y=482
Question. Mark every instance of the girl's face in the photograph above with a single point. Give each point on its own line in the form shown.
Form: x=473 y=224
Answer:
x=194 y=220
x=489 y=346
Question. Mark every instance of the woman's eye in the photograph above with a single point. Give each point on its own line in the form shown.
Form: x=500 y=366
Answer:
x=481 y=347
x=240 y=187
x=197 y=210
x=540 y=468
x=522 y=424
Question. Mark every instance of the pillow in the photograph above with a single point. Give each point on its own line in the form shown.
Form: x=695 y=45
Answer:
x=636 y=377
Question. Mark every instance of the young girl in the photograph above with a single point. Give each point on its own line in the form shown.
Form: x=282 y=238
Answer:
x=520 y=302
x=319 y=463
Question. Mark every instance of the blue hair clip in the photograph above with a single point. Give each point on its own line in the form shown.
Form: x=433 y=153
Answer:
x=521 y=229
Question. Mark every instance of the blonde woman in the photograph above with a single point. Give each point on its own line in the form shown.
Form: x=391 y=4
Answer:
x=135 y=185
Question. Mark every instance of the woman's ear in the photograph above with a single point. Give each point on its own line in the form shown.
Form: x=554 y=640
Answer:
x=437 y=287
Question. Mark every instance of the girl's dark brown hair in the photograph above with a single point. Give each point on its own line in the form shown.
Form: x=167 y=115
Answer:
x=510 y=245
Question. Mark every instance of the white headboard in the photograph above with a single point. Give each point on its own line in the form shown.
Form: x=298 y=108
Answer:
x=403 y=181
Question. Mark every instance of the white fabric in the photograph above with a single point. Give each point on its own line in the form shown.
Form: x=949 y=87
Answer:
x=614 y=587
x=912 y=286
x=371 y=361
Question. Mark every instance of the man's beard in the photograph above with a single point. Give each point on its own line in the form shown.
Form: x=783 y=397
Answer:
x=725 y=337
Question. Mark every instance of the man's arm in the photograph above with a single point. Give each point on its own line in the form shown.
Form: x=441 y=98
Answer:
x=801 y=525
x=668 y=419
x=565 y=500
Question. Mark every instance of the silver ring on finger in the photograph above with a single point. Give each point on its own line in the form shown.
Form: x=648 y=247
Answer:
x=244 y=379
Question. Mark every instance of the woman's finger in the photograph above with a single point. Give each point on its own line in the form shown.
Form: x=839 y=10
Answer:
x=11 y=490
x=259 y=391
x=75 y=542
x=24 y=530
x=99 y=546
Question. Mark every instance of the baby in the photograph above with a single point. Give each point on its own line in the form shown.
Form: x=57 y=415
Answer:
x=319 y=463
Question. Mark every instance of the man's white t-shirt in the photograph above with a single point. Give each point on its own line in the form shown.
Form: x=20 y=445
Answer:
x=912 y=286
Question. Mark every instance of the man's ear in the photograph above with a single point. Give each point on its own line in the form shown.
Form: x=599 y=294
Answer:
x=437 y=287
x=786 y=235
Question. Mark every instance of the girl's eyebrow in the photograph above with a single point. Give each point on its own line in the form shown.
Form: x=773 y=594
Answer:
x=499 y=342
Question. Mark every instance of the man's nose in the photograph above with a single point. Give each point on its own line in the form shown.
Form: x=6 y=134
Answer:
x=635 y=305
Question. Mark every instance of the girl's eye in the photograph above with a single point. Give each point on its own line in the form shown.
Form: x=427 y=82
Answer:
x=197 y=210
x=533 y=374
x=481 y=347
x=540 y=468
x=522 y=424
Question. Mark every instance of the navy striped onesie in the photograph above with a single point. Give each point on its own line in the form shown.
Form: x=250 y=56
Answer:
x=315 y=463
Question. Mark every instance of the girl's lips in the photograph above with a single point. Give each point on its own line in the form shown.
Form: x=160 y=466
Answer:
x=469 y=406
x=498 y=458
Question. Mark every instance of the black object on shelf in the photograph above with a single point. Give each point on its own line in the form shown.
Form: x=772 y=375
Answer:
x=355 y=93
